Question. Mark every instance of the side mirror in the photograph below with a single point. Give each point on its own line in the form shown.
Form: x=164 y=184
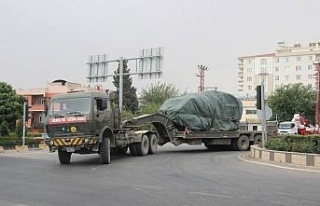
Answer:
x=112 y=96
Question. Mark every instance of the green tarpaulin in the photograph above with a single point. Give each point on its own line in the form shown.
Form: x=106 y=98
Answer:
x=209 y=110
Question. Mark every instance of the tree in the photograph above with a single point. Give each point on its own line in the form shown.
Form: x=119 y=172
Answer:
x=291 y=99
x=130 y=99
x=154 y=96
x=11 y=106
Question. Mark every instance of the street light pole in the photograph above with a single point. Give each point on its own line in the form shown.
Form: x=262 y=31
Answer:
x=317 y=65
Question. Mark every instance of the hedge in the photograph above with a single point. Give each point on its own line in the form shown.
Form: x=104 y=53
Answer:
x=10 y=142
x=295 y=143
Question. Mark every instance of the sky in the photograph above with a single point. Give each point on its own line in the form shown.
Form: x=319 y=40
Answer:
x=45 y=40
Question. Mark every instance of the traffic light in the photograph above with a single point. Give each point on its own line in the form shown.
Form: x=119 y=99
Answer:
x=258 y=97
x=26 y=112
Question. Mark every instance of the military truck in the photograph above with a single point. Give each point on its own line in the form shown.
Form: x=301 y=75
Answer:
x=86 y=123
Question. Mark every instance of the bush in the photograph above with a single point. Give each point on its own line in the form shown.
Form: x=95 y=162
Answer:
x=10 y=142
x=295 y=143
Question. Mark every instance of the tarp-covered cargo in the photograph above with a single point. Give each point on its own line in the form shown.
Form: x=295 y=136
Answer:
x=209 y=110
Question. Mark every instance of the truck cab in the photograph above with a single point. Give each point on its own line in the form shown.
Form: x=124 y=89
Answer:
x=86 y=123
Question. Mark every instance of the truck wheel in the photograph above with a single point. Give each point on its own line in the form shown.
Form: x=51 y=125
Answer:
x=243 y=143
x=153 y=144
x=64 y=157
x=104 y=151
x=258 y=139
x=142 y=147
x=133 y=150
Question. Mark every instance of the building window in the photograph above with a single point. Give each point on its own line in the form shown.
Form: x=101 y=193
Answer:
x=249 y=79
x=277 y=60
x=287 y=59
x=40 y=118
x=42 y=101
x=309 y=67
x=263 y=70
x=310 y=76
x=298 y=77
x=276 y=78
x=249 y=70
x=251 y=111
x=298 y=59
x=287 y=77
x=249 y=87
x=276 y=69
x=298 y=68
x=263 y=62
x=310 y=58
x=249 y=61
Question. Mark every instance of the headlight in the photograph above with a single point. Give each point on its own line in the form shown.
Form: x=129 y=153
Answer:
x=51 y=143
x=86 y=141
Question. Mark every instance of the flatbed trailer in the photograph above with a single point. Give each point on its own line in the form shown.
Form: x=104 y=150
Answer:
x=168 y=132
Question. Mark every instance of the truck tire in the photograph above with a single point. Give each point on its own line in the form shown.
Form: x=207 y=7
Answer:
x=133 y=150
x=242 y=143
x=142 y=148
x=104 y=151
x=64 y=157
x=257 y=139
x=153 y=144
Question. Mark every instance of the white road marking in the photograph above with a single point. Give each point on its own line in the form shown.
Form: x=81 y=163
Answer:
x=210 y=194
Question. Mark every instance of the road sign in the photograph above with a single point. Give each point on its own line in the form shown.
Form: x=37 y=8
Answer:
x=268 y=113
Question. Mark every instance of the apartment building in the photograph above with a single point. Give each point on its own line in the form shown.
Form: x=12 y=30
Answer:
x=288 y=64
x=36 y=99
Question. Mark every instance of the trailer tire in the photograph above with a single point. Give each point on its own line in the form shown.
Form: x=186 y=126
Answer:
x=242 y=143
x=153 y=144
x=258 y=140
x=104 y=151
x=64 y=157
x=142 y=148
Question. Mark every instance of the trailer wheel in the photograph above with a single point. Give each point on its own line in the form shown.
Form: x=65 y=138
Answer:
x=142 y=148
x=242 y=143
x=104 y=151
x=258 y=139
x=153 y=144
x=64 y=157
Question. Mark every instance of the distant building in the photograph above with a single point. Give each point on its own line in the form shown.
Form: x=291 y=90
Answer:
x=288 y=64
x=37 y=98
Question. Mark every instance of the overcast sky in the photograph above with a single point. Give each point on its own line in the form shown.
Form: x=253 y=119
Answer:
x=44 y=40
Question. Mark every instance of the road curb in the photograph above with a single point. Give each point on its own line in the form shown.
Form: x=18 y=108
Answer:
x=294 y=158
x=248 y=158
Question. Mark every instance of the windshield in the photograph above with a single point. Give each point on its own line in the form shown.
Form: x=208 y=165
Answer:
x=288 y=125
x=77 y=106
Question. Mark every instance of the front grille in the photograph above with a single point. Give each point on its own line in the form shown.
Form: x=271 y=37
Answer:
x=68 y=130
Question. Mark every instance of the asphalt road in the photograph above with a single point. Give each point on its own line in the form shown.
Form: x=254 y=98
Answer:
x=183 y=175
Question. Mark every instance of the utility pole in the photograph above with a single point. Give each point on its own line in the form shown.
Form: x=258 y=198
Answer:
x=201 y=76
x=317 y=69
x=24 y=123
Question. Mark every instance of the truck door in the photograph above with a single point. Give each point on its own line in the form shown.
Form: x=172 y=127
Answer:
x=103 y=114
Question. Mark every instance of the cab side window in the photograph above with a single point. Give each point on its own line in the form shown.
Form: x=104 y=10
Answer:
x=102 y=104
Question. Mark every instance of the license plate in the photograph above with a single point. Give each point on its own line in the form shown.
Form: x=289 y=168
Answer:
x=70 y=149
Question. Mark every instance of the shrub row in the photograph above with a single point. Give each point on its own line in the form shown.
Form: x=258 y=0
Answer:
x=295 y=143
x=10 y=142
